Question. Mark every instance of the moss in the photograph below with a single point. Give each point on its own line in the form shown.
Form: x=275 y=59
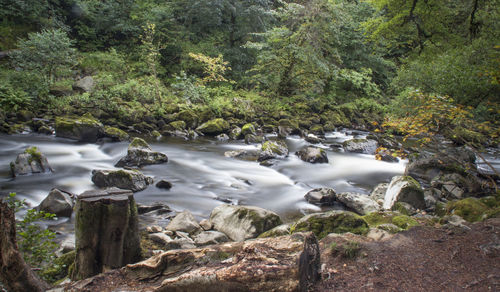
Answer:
x=317 y=129
x=214 y=127
x=116 y=133
x=276 y=147
x=440 y=209
x=490 y=201
x=375 y=219
x=60 y=268
x=178 y=125
x=400 y=208
x=35 y=154
x=404 y=222
x=248 y=129
x=460 y=134
x=471 y=209
x=138 y=143
x=332 y=222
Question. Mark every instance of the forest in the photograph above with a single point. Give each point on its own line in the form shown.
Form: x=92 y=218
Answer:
x=341 y=62
x=402 y=95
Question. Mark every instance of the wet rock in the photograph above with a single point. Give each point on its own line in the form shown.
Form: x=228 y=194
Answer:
x=139 y=153
x=313 y=139
x=243 y=222
x=58 y=202
x=184 y=222
x=312 y=155
x=359 y=203
x=214 y=127
x=85 y=84
x=243 y=154
x=158 y=206
x=386 y=155
x=404 y=189
x=163 y=184
x=365 y=146
x=254 y=139
x=321 y=197
x=160 y=238
x=336 y=221
x=286 y=263
x=235 y=133
x=273 y=150
x=132 y=180
x=84 y=129
x=210 y=237
x=222 y=137
x=30 y=162
x=206 y=224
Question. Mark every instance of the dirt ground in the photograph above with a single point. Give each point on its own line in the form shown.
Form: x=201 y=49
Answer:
x=420 y=259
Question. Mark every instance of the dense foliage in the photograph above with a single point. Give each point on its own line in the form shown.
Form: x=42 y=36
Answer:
x=341 y=62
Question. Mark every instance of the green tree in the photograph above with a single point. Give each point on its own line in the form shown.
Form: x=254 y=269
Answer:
x=48 y=53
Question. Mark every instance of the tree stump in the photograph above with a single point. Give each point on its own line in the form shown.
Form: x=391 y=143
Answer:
x=106 y=232
x=15 y=274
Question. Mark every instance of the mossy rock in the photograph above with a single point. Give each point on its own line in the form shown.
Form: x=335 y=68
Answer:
x=471 y=209
x=248 y=129
x=461 y=135
x=84 y=129
x=322 y=224
x=35 y=154
x=189 y=117
x=115 y=133
x=214 y=127
x=404 y=222
x=277 y=231
x=317 y=129
x=275 y=147
x=138 y=143
x=177 y=125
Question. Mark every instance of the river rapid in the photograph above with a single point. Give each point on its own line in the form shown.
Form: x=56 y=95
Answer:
x=202 y=176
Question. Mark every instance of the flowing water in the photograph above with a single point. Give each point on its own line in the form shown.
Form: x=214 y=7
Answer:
x=202 y=176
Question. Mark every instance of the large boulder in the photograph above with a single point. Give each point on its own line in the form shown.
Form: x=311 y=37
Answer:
x=214 y=127
x=285 y=263
x=321 y=224
x=30 y=162
x=378 y=193
x=359 y=203
x=85 y=128
x=184 y=222
x=404 y=189
x=456 y=186
x=366 y=146
x=132 y=180
x=248 y=129
x=243 y=222
x=250 y=155
x=85 y=84
x=272 y=150
x=139 y=153
x=210 y=237
x=312 y=155
x=58 y=202
x=321 y=196
x=115 y=134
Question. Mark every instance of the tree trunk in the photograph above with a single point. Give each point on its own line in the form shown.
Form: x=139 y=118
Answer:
x=15 y=274
x=106 y=232
x=285 y=263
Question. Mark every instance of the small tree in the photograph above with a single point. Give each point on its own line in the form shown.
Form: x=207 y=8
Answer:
x=45 y=52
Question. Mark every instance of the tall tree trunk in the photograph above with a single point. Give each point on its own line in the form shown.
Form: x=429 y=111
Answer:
x=15 y=274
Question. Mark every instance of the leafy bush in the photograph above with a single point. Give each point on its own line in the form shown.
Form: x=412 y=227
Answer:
x=13 y=99
x=110 y=61
x=35 y=243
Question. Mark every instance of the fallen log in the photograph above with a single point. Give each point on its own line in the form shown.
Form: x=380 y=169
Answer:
x=285 y=263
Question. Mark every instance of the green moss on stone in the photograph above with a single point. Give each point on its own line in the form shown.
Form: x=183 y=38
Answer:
x=322 y=224
x=35 y=154
x=404 y=222
x=138 y=143
x=60 y=267
x=116 y=133
x=377 y=218
x=248 y=129
x=214 y=127
x=471 y=209
x=178 y=125
x=400 y=208
x=276 y=147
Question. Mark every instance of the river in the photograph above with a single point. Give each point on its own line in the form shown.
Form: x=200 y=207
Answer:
x=201 y=175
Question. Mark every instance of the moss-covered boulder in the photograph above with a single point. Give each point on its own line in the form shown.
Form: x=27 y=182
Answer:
x=60 y=267
x=177 y=126
x=132 y=180
x=317 y=129
x=214 y=127
x=115 y=134
x=312 y=155
x=272 y=150
x=321 y=224
x=139 y=153
x=32 y=161
x=85 y=128
x=189 y=117
x=471 y=209
x=235 y=133
x=461 y=135
x=382 y=219
x=248 y=129
x=359 y=203
x=243 y=222
x=283 y=229
x=254 y=139
x=365 y=146
x=404 y=189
